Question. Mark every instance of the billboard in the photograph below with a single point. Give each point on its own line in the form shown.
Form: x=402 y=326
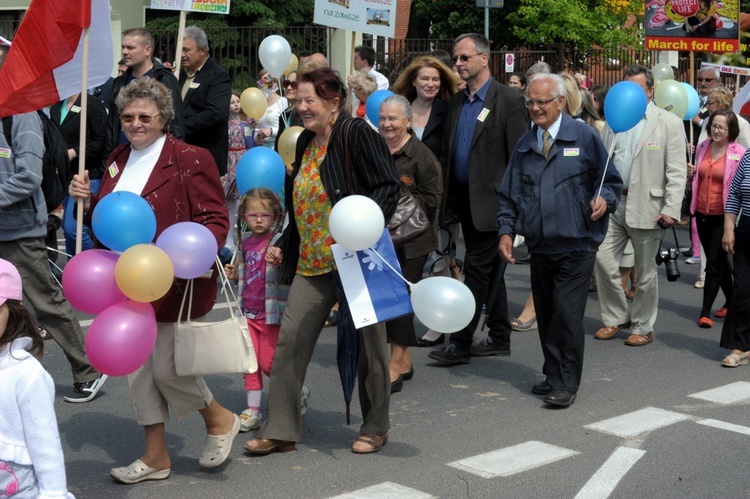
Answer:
x=692 y=25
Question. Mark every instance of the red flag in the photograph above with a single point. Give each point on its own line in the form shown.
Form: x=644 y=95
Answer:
x=45 y=62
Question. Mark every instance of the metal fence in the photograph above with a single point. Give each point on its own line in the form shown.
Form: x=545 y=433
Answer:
x=236 y=49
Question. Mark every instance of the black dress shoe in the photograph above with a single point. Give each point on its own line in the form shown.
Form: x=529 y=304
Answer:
x=450 y=355
x=398 y=385
x=524 y=260
x=408 y=375
x=542 y=388
x=431 y=343
x=560 y=398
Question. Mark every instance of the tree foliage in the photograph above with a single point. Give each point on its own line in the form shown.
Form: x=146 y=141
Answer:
x=536 y=23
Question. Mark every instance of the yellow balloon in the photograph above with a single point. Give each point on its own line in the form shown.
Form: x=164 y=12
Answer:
x=292 y=67
x=287 y=143
x=144 y=273
x=254 y=103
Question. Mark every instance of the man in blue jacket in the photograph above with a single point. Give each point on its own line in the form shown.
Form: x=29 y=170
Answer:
x=550 y=195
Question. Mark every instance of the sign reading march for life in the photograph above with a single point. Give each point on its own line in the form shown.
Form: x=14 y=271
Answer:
x=375 y=293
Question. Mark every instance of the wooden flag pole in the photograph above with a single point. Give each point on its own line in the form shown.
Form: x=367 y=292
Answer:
x=180 y=36
x=82 y=138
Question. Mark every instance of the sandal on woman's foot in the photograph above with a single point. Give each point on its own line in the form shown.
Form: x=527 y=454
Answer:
x=218 y=447
x=138 y=471
x=519 y=325
x=333 y=318
x=369 y=443
x=734 y=360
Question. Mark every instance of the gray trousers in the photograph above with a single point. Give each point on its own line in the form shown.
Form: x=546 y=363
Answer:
x=310 y=300
x=52 y=309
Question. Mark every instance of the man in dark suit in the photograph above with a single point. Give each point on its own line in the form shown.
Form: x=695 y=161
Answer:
x=206 y=91
x=484 y=123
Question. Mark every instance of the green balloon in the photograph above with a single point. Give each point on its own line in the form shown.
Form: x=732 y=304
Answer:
x=662 y=72
x=671 y=96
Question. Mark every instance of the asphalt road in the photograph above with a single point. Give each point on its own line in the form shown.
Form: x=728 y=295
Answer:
x=637 y=428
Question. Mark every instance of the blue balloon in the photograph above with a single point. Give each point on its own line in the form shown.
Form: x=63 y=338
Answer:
x=123 y=219
x=694 y=101
x=372 y=106
x=260 y=167
x=624 y=106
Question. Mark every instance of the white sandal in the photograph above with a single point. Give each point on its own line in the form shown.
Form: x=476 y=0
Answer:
x=138 y=471
x=734 y=360
x=218 y=447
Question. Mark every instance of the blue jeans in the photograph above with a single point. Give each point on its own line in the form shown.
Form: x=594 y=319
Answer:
x=69 y=223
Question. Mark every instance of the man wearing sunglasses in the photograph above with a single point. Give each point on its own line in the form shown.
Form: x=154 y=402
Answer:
x=483 y=124
x=707 y=79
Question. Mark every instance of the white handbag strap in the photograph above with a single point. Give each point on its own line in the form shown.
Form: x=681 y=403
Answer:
x=226 y=289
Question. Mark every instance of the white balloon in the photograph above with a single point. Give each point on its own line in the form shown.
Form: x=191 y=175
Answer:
x=274 y=53
x=443 y=304
x=356 y=222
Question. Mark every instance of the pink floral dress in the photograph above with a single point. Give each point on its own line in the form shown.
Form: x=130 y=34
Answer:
x=236 y=149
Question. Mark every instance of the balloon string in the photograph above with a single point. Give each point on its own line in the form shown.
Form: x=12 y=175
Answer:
x=283 y=94
x=410 y=284
x=604 y=175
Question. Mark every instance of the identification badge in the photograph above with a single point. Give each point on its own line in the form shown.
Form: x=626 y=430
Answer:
x=75 y=109
x=571 y=151
x=734 y=157
x=483 y=115
x=4 y=153
x=194 y=85
x=113 y=170
x=653 y=146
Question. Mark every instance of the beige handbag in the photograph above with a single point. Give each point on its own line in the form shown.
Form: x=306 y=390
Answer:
x=214 y=347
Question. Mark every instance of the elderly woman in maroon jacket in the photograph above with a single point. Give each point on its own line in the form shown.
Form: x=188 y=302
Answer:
x=181 y=183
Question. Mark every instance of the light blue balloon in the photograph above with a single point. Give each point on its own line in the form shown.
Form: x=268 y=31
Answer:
x=123 y=219
x=260 y=167
x=372 y=106
x=694 y=101
x=624 y=106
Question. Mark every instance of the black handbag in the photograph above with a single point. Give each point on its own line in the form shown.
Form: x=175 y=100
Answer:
x=409 y=221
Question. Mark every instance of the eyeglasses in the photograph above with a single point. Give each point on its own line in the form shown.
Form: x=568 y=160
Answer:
x=707 y=80
x=263 y=216
x=143 y=118
x=540 y=103
x=719 y=128
x=289 y=83
x=462 y=58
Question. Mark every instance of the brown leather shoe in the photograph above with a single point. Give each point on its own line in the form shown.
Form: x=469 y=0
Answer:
x=609 y=332
x=266 y=446
x=637 y=340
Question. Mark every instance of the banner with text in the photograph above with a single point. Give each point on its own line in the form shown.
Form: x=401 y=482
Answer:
x=375 y=17
x=692 y=25
x=207 y=6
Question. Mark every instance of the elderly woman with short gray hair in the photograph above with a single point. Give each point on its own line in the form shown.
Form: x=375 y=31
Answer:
x=419 y=171
x=181 y=183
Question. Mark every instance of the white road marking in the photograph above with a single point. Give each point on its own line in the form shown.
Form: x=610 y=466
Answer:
x=604 y=481
x=635 y=423
x=715 y=423
x=385 y=490
x=727 y=394
x=511 y=460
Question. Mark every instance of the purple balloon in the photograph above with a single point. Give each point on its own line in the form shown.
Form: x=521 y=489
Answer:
x=89 y=281
x=121 y=338
x=191 y=247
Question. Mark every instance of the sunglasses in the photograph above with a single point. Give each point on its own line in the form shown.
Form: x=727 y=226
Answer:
x=143 y=118
x=291 y=84
x=462 y=58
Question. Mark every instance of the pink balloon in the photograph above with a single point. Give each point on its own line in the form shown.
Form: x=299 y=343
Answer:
x=89 y=281
x=191 y=247
x=121 y=338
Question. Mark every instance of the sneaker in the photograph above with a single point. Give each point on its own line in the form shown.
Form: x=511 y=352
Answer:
x=304 y=400
x=83 y=392
x=451 y=355
x=700 y=283
x=250 y=420
x=486 y=348
x=692 y=260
